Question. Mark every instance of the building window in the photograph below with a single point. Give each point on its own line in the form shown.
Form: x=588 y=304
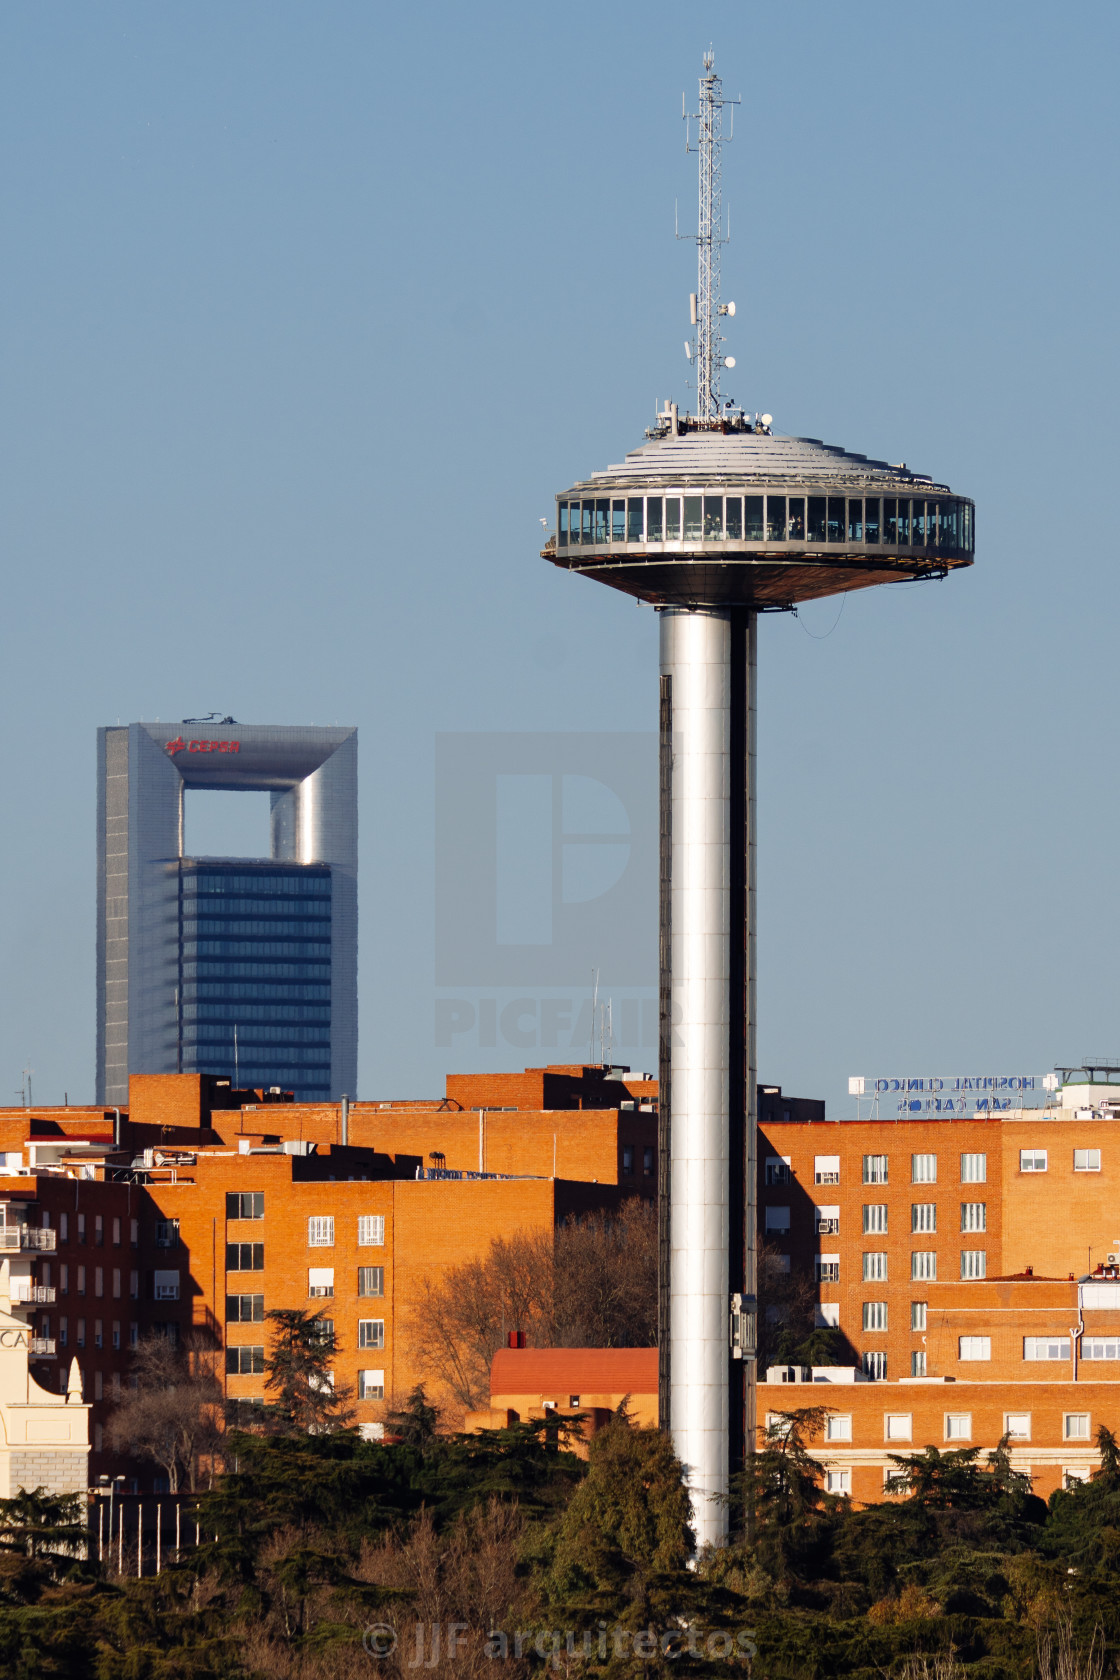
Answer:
x=116 y=1333
x=371 y=1385
x=875 y=1267
x=826 y=1169
x=64 y=1278
x=1075 y=1426
x=827 y=1221
x=320 y=1281
x=918 y=1363
x=371 y=1230
x=322 y=1330
x=958 y=1426
x=99 y=1281
x=777 y=1219
x=647 y=1161
x=875 y=1217
x=1017 y=1425
x=1032 y=1160
x=923 y=1265
x=974 y=1347
x=628 y=1160
x=923 y=1169
x=245 y=1361
x=1074 y=1474
x=974 y=1263
x=134 y=1232
x=974 y=1169
x=80 y=1338
x=134 y=1285
x=245 y=1204
x=777 y=1169
x=898 y=1426
x=81 y=1280
x=64 y=1227
x=244 y=1309
x=839 y=1482
x=320 y=1231
x=1100 y=1347
x=895 y=1481
x=371 y=1280
x=166 y=1286
x=1086 y=1160
x=98 y=1333
x=1046 y=1347
x=116 y=1283
x=838 y=1427
x=81 y=1227
x=98 y=1385
x=874 y=1169
x=63 y=1332
x=371 y=1332
x=923 y=1216
x=116 y=1233
x=874 y=1315
x=244 y=1257
x=98 y=1231
x=918 y=1312
x=875 y=1366
x=115 y=1382
x=974 y=1216
x=134 y=1335
x=827 y=1267
x=167 y=1233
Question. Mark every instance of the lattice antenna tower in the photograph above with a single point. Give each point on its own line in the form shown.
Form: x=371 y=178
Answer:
x=706 y=308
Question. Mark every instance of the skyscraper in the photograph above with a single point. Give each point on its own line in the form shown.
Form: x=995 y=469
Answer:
x=238 y=966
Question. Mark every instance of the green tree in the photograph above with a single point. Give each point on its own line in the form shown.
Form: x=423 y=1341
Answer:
x=298 y=1372
x=43 y=1525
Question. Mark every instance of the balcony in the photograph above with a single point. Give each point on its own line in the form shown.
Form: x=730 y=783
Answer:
x=14 y=1238
x=828 y=1227
x=42 y=1347
x=27 y=1294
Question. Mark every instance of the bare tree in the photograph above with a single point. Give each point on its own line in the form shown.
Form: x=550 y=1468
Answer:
x=592 y=1283
x=172 y=1417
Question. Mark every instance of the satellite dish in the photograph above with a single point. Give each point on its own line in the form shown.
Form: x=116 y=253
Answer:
x=688 y=349
x=729 y=361
x=731 y=309
x=767 y=419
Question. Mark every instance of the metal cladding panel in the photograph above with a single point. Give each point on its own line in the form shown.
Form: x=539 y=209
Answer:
x=143 y=772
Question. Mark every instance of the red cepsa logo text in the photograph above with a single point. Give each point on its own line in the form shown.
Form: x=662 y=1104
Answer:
x=178 y=745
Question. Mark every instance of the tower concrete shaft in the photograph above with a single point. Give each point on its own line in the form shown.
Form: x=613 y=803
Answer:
x=708 y=1080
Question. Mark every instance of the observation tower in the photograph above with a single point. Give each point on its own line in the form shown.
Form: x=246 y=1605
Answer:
x=714 y=520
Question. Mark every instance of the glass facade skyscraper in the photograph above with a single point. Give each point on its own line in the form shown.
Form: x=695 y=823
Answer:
x=244 y=967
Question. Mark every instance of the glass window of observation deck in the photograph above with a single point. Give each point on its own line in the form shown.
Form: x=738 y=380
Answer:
x=797 y=519
x=968 y=533
x=948 y=535
x=653 y=519
x=693 y=520
x=855 y=521
x=817 y=518
x=871 y=519
x=752 y=519
x=672 y=519
x=713 y=517
x=735 y=518
x=588 y=522
x=890 y=521
x=618 y=521
x=562 y=528
x=634 y=519
x=602 y=519
x=918 y=524
x=775 y=519
x=836 y=519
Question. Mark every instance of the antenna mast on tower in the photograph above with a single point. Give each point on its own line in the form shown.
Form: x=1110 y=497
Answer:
x=707 y=308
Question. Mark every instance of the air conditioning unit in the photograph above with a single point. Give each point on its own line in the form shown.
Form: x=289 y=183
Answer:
x=1110 y=1259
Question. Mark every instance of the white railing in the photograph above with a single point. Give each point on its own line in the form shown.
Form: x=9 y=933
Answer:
x=42 y=1347
x=24 y=1293
x=15 y=1237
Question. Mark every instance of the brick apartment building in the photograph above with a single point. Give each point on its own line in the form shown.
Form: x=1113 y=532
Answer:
x=969 y=1267
x=199 y=1208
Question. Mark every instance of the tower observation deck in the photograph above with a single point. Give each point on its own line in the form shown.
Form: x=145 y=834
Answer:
x=713 y=520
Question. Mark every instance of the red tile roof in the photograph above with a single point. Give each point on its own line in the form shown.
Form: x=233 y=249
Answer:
x=579 y=1370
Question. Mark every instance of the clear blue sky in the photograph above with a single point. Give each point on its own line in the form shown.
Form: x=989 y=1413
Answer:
x=308 y=311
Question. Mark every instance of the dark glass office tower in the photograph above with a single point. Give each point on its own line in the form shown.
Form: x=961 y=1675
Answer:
x=245 y=967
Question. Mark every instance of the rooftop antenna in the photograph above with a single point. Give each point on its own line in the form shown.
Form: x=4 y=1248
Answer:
x=594 y=1012
x=705 y=308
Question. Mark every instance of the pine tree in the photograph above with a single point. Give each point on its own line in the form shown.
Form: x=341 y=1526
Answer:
x=298 y=1372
